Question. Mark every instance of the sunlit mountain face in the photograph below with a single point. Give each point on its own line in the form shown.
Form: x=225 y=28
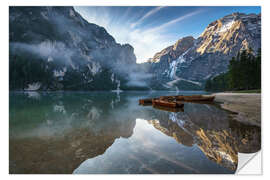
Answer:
x=151 y=29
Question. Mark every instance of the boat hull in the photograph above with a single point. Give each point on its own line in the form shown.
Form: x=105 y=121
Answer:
x=167 y=104
x=145 y=101
x=199 y=98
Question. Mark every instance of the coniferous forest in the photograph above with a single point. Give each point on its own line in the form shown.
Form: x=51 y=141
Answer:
x=244 y=73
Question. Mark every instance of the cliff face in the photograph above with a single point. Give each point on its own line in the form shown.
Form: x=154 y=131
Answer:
x=55 y=48
x=174 y=51
x=207 y=56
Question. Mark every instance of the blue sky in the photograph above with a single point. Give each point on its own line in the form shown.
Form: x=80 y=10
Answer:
x=151 y=29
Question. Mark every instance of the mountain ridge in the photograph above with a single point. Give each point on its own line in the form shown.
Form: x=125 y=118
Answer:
x=209 y=54
x=54 y=48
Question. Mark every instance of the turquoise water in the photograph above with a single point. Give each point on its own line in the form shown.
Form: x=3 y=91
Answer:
x=106 y=132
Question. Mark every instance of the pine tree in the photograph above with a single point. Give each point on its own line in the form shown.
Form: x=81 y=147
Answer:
x=244 y=73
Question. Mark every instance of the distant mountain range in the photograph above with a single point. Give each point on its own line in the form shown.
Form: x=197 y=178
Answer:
x=54 y=48
x=192 y=61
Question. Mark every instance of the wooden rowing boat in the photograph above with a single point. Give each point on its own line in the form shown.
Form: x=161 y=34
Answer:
x=167 y=98
x=167 y=103
x=145 y=101
x=179 y=98
x=199 y=98
x=172 y=98
x=173 y=101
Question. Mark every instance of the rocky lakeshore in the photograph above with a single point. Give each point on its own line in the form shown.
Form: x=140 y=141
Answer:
x=247 y=106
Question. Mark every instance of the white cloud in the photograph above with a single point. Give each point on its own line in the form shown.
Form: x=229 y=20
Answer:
x=146 y=42
x=153 y=11
x=179 y=19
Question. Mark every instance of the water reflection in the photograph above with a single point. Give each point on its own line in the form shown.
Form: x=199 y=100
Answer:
x=210 y=128
x=103 y=132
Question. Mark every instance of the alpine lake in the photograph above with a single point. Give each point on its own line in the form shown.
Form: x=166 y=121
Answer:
x=109 y=133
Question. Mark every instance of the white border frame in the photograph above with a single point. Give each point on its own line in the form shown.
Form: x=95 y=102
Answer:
x=4 y=70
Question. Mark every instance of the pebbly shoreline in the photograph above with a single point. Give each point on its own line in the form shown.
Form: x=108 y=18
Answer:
x=246 y=105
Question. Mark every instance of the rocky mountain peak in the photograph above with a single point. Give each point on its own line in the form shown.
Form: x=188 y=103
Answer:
x=174 y=51
x=72 y=53
x=195 y=60
x=228 y=31
x=183 y=43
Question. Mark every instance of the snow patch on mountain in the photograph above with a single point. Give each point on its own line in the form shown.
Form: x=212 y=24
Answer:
x=60 y=73
x=174 y=64
x=177 y=79
x=226 y=26
x=112 y=77
x=50 y=59
x=207 y=77
x=173 y=69
x=94 y=67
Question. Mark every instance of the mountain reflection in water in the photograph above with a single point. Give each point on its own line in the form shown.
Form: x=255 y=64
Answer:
x=104 y=132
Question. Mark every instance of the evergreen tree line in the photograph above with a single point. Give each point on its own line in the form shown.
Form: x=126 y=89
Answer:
x=25 y=69
x=244 y=73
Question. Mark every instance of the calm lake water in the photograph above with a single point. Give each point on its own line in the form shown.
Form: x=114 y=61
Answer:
x=106 y=132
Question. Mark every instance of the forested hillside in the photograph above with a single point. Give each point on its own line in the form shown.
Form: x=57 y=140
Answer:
x=244 y=73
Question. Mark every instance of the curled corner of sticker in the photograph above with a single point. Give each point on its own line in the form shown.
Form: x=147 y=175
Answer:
x=249 y=163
